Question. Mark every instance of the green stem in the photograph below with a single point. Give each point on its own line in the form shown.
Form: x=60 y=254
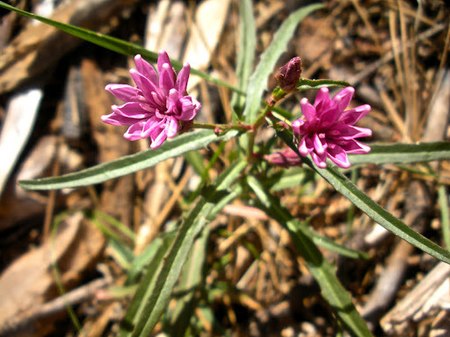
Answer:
x=221 y=127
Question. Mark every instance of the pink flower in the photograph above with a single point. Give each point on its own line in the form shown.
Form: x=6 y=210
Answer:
x=327 y=129
x=158 y=107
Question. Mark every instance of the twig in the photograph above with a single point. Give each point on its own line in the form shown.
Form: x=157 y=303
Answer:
x=53 y=307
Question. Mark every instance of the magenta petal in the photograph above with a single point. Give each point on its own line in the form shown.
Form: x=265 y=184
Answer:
x=296 y=125
x=318 y=146
x=159 y=139
x=117 y=120
x=172 y=127
x=344 y=97
x=354 y=115
x=146 y=69
x=322 y=100
x=338 y=156
x=308 y=110
x=134 y=132
x=304 y=148
x=167 y=78
x=151 y=125
x=131 y=110
x=162 y=59
x=123 y=92
x=319 y=160
x=355 y=147
x=146 y=86
x=189 y=108
x=182 y=79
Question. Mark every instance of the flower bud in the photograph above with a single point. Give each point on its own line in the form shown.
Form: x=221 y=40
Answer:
x=289 y=74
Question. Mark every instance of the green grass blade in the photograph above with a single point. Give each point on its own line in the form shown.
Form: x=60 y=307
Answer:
x=129 y=164
x=344 y=186
x=404 y=153
x=111 y=43
x=166 y=275
x=332 y=290
x=246 y=52
x=258 y=80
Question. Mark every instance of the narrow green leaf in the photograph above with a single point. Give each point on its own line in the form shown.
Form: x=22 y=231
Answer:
x=246 y=52
x=258 y=80
x=129 y=164
x=344 y=186
x=111 y=43
x=190 y=280
x=307 y=84
x=155 y=256
x=332 y=290
x=167 y=273
x=445 y=215
x=404 y=153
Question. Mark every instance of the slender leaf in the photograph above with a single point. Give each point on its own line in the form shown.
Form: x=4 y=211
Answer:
x=129 y=164
x=404 y=153
x=258 y=80
x=344 y=186
x=144 y=291
x=246 y=52
x=332 y=290
x=445 y=214
x=111 y=43
x=307 y=84
x=167 y=273
x=190 y=280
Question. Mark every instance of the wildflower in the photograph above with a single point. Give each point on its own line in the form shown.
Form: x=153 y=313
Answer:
x=327 y=129
x=158 y=107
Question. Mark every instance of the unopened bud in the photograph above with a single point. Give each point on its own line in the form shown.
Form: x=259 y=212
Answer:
x=289 y=74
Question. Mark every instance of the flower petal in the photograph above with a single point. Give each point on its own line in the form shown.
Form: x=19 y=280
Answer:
x=323 y=100
x=163 y=58
x=338 y=156
x=131 y=110
x=167 y=78
x=354 y=147
x=172 y=127
x=134 y=132
x=123 y=92
x=146 y=69
x=354 y=115
x=319 y=159
x=159 y=139
x=318 y=146
x=343 y=98
x=182 y=79
x=308 y=110
x=189 y=108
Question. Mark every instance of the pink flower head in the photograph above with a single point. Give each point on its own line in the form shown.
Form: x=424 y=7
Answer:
x=327 y=129
x=158 y=107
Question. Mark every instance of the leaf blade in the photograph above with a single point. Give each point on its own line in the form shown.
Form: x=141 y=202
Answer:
x=332 y=290
x=403 y=153
x=129 y=164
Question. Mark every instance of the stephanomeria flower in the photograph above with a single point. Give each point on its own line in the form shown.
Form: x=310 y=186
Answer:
x=327 y=129
x=158 y=107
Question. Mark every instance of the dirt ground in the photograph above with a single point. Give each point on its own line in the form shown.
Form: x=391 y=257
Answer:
x=394 y=52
